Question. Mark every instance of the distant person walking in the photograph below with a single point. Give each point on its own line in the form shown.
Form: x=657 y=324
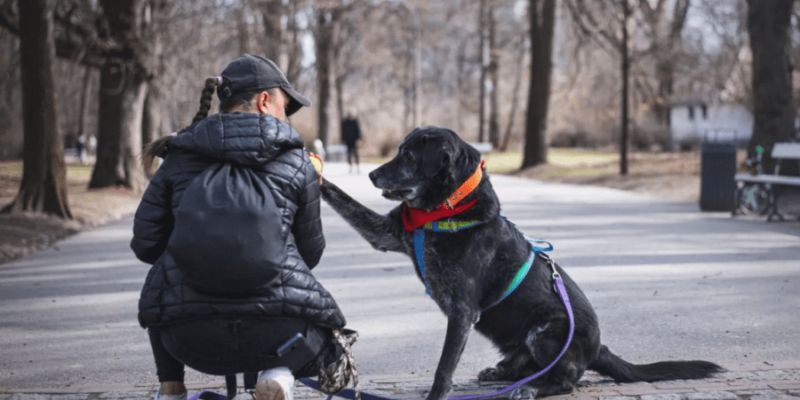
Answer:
x=351 y=134
x=80 y=146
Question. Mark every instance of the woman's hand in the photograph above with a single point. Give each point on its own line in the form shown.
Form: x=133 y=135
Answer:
x=317 y=162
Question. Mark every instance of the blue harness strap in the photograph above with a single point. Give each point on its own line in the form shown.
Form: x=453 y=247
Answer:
x=537 y=246
x=419 y=254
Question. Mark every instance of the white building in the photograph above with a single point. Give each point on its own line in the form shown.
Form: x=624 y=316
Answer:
x=693 y=121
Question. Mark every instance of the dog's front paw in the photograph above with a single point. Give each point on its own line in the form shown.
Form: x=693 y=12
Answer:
x=523 y=393
x=490 y=374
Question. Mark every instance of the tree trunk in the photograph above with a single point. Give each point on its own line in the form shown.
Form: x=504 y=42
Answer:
x=625 y=66
x=542 y=22
x=519 y=62
x=119 y=128
x=323 y=50
x=461 y=60
x=494 y=77
x=408 y=86
x=43 y=187
x=243 y=29
x=768 y=23
x=665 y=71
x=666 y=41
x=482 y=82
x=123 y=87
x=294 y=49
x=339 y=83
x=85 y=89
x=271 y=15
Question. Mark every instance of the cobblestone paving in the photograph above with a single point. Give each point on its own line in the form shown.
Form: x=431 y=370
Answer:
x=750 y=384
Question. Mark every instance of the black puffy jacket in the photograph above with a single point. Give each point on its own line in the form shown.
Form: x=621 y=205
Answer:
x=273 y=149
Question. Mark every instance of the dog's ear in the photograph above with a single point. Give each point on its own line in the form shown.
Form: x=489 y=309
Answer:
x=433 y=157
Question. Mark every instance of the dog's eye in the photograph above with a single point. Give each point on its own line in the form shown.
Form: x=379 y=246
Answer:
x=408 y=155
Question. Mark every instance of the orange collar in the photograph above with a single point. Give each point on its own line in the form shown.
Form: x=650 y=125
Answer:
x=466 y=188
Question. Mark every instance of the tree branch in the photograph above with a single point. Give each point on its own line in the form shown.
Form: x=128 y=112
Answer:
x=588 y=24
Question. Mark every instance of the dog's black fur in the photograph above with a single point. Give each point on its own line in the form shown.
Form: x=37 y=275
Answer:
x=468 y=270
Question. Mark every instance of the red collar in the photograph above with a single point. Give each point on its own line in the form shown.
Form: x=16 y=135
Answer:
x=414 y=218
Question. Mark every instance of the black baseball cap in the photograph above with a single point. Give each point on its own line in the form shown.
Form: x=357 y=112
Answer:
x=252 y=72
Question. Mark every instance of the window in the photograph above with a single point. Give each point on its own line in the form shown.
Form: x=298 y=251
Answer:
x=691 y=113
x=705 y=111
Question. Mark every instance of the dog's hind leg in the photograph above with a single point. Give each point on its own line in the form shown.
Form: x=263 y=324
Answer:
x=545 y=342
x=377 y=229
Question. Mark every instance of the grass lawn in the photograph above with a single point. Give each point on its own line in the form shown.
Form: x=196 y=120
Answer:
x=75 y=173
x=576 y=162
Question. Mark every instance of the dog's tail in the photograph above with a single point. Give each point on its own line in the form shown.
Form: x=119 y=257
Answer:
x=609 y=364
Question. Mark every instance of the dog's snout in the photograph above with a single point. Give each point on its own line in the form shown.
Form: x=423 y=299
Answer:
x=373 y=176
x=378 y=178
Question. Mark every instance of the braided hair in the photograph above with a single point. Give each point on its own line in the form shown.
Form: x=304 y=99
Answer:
x=158 y=147
x=206 y=97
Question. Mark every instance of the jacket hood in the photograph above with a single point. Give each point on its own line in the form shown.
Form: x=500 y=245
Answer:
x=241 y=138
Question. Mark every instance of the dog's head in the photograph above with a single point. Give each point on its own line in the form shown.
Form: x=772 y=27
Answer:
x=430 y=164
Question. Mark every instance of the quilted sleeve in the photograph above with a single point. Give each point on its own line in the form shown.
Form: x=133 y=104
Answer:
x=153 y=221
x=307 y=227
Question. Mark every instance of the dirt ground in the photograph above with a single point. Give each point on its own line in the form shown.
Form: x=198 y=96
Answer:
x=22 y=234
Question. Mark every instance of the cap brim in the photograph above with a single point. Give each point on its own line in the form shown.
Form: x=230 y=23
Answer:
x=296 y=100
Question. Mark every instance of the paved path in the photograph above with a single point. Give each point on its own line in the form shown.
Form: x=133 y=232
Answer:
x=667 y=282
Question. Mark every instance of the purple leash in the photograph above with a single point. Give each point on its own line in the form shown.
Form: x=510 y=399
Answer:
x=208 y=396
x=558 y=285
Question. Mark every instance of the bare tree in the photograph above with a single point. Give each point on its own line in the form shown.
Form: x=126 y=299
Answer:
x=593 y=21
x=519 y=62
x=768 y=23
x=123 y=87
x=542 y=23
x=272 y=11
x=482 y=11
x=243 y=27
x=493 y=70
x=43 y=186
x=323 y=41
x=294 y=48
x=665 y=37
x=625 y=67
x=83 y=129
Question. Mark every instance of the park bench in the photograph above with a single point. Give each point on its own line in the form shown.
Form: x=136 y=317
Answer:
x=772 y=183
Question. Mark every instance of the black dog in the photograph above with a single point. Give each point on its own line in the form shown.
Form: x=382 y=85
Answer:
x=466 y=272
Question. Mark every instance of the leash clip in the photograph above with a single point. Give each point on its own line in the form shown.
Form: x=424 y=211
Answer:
x=552 y=265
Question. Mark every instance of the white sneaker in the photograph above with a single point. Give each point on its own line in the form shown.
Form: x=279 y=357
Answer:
x=275 y=384
x=160 y=396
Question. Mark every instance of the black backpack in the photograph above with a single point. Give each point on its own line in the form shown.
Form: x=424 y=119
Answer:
x=228 y=235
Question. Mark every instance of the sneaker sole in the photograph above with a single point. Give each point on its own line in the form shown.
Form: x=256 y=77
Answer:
x=269 y=390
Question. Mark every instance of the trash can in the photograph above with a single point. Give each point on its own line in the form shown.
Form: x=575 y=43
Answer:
x=717 y=169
